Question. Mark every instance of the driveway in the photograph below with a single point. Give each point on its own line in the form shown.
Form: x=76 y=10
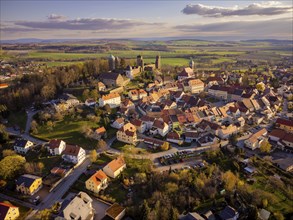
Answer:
x=100 y=208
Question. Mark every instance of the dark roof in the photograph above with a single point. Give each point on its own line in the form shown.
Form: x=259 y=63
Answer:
x=4 y=207
x=26 y=179
x=284 y=122
x=71 y=150
x=228 y=213
x=20 y=143
x=112 y=76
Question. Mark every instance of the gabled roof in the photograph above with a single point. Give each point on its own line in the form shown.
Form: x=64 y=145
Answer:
x=27 y=180
x=71 y=150
x=146 y=118
x=112 y=76
x=101 y=130
x=110 y=96
x=54 y=143
x=116 y=164
x=98 y=177
x=173 y=135
x=159 y=124
x=20 y=143
x=285 y=122
x=136 y=122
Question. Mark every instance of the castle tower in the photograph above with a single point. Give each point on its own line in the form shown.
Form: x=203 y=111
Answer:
x=111 y=61
x=140 y=62
x=191 y=64
x=158 y=62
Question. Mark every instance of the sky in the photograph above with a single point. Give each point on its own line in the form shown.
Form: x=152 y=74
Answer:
x=94 y=19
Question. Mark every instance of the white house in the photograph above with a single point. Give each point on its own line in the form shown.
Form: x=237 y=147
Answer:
x=112 y=99
x=22 y=146
x=148 y=121
x=139 y=124
x=115 y=167
x=118 y=123
x=73 y=154
x=160 y=127
x=56 y=147
x=255 y=140
x=90 y=102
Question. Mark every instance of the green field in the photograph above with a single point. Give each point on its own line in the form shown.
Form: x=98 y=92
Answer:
x=69 y=130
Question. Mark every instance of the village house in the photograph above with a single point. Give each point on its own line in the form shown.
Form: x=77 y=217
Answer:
x=229 y=213
x=97 y=182
x=28 y=184
x=185 y=73
x=139 y=124
x=115 y=212
x=148 y=121
x=100 y=132
x=118 y=123
x=127 y=103
x=73 y=154
x=115 y=167
x=56 y=147
x=285 y=124
x=206 y=140
x=159 y=127
x=112 y=99
x=66 y=102
x=174 y=137
x=90 y=102
x=132 y=71
x=127 y=134
x=79 y=207
x=255 y=140
x=219 y=92
x=22 y=146
x=136 y=94
x=112 y=79
x=196 y=86
x=225 y=132
x=8 y=211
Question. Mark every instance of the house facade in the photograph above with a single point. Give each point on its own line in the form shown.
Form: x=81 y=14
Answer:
x=97 y=182
x=56 y=147
x=22 y=146
x=73 y=154
x=112 y=99
x=115 y=167
x=8 y=211
x=255 y=140
x=127 y=134
x=28 y=184
x=196 y=86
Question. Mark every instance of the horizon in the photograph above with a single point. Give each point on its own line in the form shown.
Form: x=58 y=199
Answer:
x=204 y=20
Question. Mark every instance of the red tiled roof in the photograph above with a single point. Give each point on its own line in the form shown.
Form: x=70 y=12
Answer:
x=71 y=150
x=54 y=144
x=285 y=122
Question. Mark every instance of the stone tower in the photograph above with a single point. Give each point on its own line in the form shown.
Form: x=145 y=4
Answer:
x=191 y=64
x=111 y=61
x=158 y=62
x=140 y=62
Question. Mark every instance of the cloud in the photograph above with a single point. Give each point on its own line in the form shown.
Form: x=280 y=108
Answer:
x=264 y=8
x=93 y=24
x=276 y=28
x=55 y=17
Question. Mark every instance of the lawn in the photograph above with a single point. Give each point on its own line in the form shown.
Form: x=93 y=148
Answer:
x=103 y=159
x=69 y=130
x=18 y=119
x=169 y=61
x=127 y=148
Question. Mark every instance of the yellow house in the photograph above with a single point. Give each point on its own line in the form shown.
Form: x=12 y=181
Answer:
x=127 y=134
x=8 y=211
x=115 y=167
x=97 y=182
x=28 y=184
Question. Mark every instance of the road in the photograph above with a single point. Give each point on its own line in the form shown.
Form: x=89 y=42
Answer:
x=12 y=199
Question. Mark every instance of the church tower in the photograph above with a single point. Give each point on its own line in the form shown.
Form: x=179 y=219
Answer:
x=158 y=62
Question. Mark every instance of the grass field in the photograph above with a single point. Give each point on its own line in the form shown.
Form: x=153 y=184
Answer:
x=70 y=131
